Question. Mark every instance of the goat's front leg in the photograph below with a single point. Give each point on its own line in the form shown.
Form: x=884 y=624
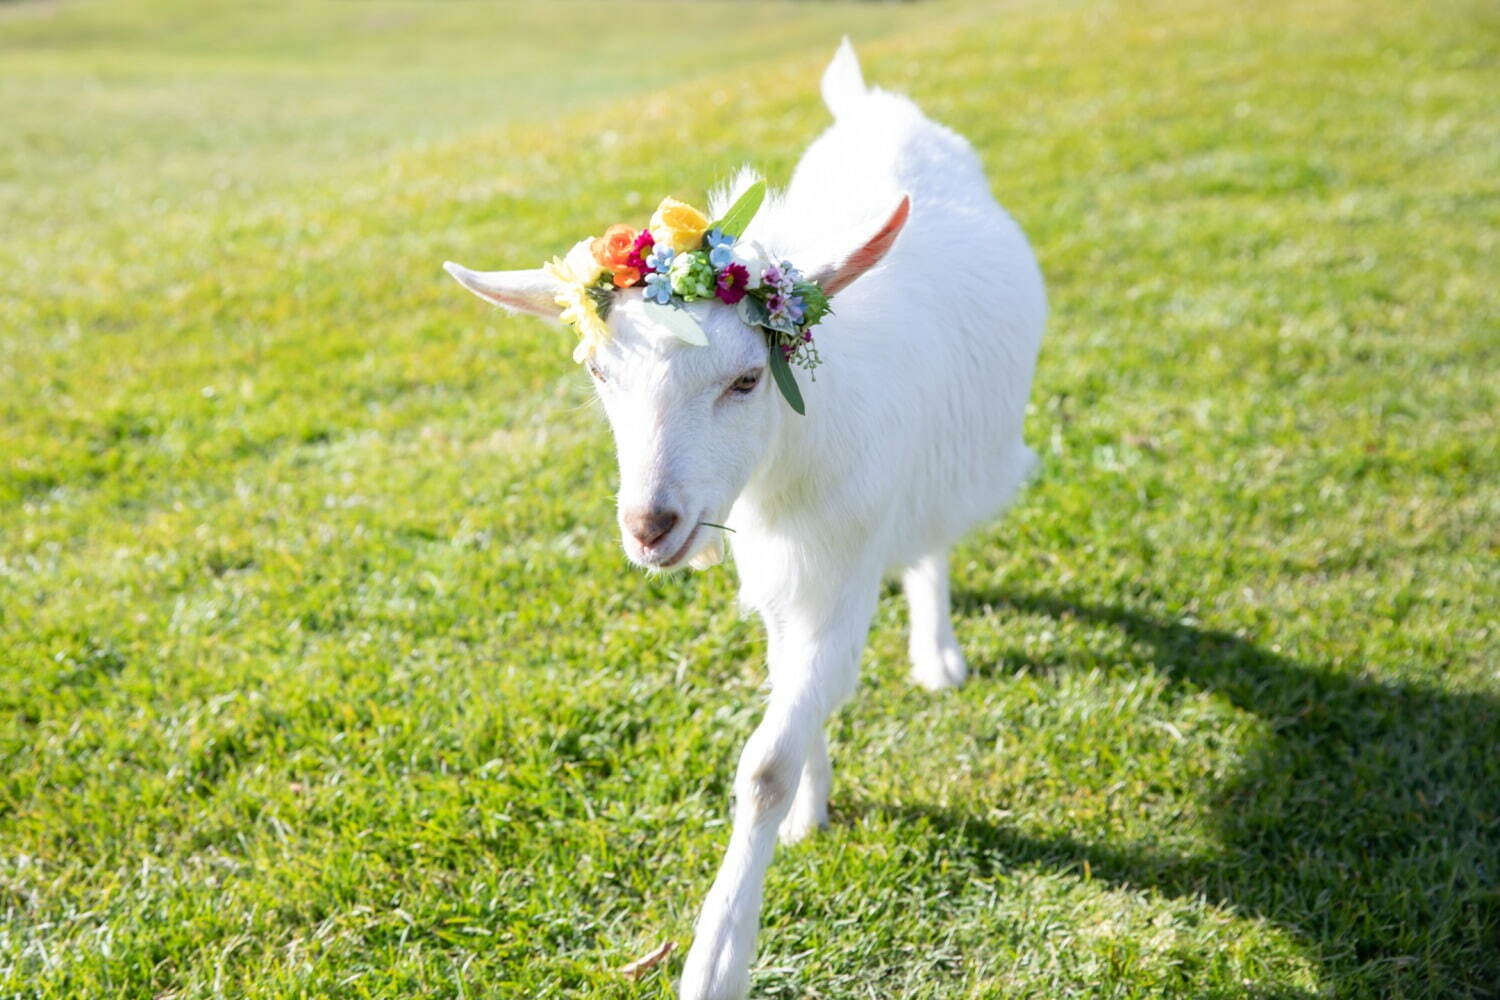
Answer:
x=812 y=669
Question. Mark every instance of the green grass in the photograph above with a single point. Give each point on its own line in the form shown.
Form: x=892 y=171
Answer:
x=321 y=673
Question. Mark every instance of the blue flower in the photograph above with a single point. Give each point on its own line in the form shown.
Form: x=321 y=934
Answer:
x=659 y=286
x=720 y=248
x=786 y=310
x=660 y=258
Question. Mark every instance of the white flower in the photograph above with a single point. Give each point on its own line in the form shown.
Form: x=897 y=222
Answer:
x=581 y=265
x=753 y=258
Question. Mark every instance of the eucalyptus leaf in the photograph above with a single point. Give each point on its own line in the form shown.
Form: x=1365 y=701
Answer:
x=782 y=325
x=753 y=311
x=782 y=373
x=737 y=219
x=679 y=323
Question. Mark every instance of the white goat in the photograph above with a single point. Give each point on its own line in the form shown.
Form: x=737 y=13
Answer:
x=912 y=436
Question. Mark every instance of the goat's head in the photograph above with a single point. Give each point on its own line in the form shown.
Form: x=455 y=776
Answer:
x=691 y=423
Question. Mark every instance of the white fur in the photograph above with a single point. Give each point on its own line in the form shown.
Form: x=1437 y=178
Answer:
x=912 y=436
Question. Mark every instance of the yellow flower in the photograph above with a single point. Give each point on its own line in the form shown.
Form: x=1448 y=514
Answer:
x=578 y=309
x=678 y=225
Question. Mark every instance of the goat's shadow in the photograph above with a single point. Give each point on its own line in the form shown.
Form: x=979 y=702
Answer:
x=1368 y=825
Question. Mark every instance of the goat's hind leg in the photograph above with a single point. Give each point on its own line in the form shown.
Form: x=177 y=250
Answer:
x=936 y=661
x=810 y=803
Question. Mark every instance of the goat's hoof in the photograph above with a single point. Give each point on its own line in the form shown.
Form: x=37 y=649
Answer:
x=939 y=668
x=708 y=976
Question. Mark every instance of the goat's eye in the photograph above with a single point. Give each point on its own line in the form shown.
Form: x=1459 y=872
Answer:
x=745 y=383
x=596 y=372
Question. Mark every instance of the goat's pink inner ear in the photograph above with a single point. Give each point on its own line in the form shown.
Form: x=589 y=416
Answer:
x=867 y=256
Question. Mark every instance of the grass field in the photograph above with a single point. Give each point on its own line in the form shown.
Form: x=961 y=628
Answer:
x=321 y=673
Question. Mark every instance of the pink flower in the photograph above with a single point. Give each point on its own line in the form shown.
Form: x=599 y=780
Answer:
x=732 y=282
x=640 y=250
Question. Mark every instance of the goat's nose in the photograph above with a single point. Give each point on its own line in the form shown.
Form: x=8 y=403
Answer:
x=650 y=526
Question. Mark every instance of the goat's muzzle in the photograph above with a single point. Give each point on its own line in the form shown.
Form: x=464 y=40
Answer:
x=650 y=525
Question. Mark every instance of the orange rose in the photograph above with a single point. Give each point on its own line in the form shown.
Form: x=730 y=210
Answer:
x=626 y=276
x=612 y=249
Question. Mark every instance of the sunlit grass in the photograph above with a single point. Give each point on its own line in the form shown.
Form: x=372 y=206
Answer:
x=321 y=672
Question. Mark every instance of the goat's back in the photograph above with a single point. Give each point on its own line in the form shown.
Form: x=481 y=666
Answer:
x=913 y=431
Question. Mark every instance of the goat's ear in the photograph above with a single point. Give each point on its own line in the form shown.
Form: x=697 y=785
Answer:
x=836 y=277
x=519 y=291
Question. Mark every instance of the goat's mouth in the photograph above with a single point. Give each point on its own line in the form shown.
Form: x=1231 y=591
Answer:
x=678 y=557
x=654 y=558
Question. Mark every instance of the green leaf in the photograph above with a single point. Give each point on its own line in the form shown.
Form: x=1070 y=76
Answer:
x=782 y=326
x=753 y=311
x=814 y=301
x=782 y=373
x=737 y=219
x=679 y=323
x=603 y=297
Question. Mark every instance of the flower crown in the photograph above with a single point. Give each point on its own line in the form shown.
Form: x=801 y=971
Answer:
x=681 y=257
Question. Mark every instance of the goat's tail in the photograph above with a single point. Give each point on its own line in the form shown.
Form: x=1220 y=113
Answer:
x=843 y=83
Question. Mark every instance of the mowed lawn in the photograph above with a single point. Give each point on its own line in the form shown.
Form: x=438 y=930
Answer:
x=321 y=673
